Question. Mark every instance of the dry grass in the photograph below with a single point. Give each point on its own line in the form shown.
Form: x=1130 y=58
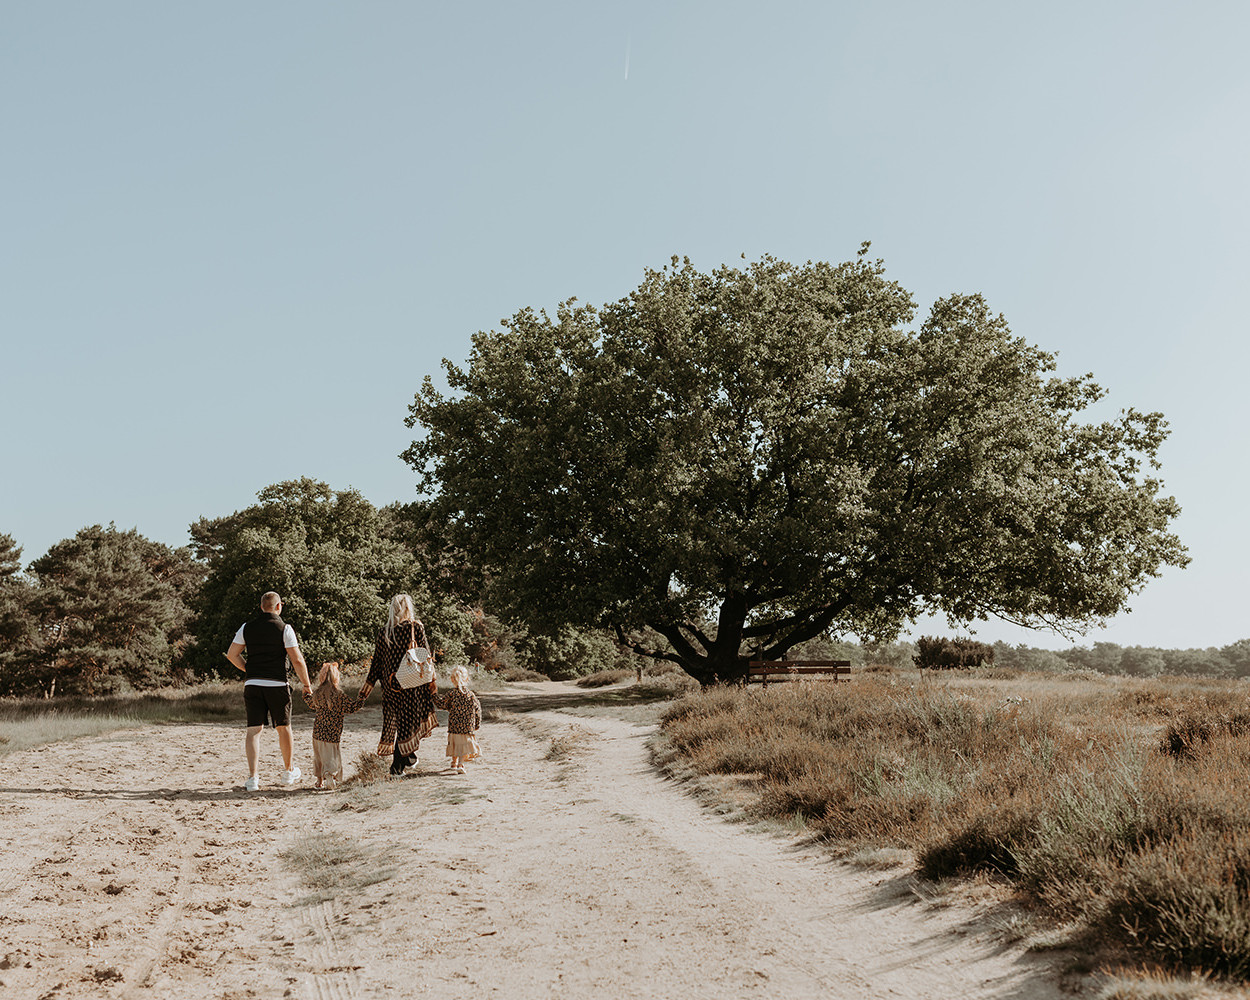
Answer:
x=30 y=722
x=603 y=678
x=334 y=864
x=1148 y=985
x=55 y=727
x=370 y=769
x=570 y=743
x=1058 y=787
x=521 y=675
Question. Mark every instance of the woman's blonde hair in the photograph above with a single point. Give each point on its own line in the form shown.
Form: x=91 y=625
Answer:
x=402 y=610
x=459 y=677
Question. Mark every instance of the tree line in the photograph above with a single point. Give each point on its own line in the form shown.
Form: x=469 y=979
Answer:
x=109 y=610
x=1232 y=660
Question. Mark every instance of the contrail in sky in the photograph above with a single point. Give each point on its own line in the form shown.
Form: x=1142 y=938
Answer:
x=628 y=42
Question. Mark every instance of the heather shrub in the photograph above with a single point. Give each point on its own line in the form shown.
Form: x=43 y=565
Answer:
x=1122 y=806
x=1188 y=734
x=984 y=842
x=1183 y=900
x=1095 y=817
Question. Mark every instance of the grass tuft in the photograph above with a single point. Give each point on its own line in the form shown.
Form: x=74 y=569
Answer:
x=569 y=744
x=602 y=678
x=370 y=769
x=331 y=864
x=1150 y=985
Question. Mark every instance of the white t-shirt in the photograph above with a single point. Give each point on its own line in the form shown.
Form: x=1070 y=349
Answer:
x=288 y=640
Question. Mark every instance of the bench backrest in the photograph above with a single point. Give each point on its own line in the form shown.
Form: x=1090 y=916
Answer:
x=793 y=670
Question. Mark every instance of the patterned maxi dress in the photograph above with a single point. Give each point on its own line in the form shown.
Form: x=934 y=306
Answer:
x=407 y=713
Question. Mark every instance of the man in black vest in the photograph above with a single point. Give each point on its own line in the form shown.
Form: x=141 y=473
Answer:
x=269 y=642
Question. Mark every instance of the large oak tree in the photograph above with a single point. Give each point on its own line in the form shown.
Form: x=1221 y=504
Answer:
x=746 y=459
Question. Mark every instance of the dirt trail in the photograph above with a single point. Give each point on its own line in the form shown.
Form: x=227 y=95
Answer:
x=562 y=865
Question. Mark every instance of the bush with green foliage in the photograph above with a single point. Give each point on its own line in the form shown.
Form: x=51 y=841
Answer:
x=567 y=653
x=948 y=654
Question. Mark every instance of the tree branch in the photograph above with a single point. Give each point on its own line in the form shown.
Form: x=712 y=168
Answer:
x=697 y=632
x=814 y=627
x=773 y=627
x=642 y=650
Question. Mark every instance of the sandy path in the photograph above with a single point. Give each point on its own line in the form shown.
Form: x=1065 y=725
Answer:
x=135 y=866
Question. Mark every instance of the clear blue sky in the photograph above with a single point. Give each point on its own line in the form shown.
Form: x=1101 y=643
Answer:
x=235 y=236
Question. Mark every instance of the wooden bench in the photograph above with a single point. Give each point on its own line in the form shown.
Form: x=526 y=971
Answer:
x=771 y=671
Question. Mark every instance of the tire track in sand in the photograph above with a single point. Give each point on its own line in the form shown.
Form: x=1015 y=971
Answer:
x=332 y=976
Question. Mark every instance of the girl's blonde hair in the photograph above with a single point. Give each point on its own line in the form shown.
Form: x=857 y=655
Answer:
x=329 y=683
x=402 y=610
x=459 y=677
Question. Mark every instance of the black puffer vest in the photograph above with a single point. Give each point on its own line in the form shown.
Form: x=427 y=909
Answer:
x=266 y=653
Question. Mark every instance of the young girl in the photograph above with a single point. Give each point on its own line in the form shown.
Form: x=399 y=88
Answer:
x=464 y=718
x=331 y=703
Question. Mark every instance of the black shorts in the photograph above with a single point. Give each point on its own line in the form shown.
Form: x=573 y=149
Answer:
x=264 y=702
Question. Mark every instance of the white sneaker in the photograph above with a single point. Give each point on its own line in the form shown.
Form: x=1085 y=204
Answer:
x=291 y=776
x=252 y=784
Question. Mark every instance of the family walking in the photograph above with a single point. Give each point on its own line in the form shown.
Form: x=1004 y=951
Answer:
x=408 y=700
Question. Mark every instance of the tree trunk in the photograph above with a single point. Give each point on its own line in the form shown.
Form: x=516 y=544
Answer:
x=724 y=662
x=719 y=662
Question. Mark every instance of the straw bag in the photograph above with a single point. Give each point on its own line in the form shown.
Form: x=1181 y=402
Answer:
x=416 y=668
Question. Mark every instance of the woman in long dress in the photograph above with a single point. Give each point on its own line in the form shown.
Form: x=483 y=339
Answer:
x=407 y=713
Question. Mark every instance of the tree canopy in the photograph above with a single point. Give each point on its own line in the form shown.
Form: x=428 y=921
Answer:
x=19 y=632
x=102 y=611
x=749 y=458
x=331 y=556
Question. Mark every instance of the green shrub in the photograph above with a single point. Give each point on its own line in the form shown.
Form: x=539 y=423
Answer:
x=569 y=653
x=519 y=675
x=947 y=654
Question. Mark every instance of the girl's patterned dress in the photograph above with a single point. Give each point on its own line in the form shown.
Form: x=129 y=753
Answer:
x=464 y=718
x=407 y=713
x=328 y=733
